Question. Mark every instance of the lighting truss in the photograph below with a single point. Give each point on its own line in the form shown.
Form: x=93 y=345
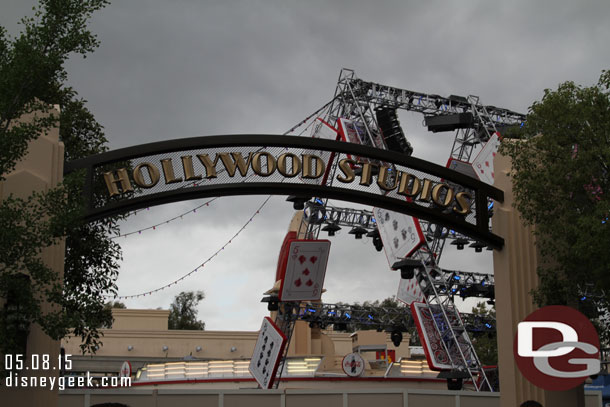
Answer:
x=474 y=124
x=350 y=317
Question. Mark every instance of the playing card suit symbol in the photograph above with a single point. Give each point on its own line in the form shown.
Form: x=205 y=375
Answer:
x=302 y=259
x=487 y=163
x=313 y=259
x=309 y=283
x=493 y=154
x=298 y=282
x=306 y=272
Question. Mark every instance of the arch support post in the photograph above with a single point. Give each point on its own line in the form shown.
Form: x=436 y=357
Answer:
x=40 y=170
x=515 y=277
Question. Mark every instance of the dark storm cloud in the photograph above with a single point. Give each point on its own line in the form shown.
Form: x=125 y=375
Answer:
x=177 y=69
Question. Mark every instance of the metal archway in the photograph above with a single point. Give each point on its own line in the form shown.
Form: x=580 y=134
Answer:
x=170 y=171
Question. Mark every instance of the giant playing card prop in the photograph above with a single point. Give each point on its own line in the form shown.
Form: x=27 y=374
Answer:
x=401 y=236
x=463 y=168
x=305 y=269
x=409 y=291
x=483 y=163
x=436 y=353
x=267 y=353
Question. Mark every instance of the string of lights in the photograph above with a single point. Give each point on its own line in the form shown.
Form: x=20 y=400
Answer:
x=299 y=124
x=155 y=226
x=202 y=265
x=207 y=203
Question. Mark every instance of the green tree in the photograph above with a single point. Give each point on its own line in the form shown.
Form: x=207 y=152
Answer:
x=183 y=311
x=114 y=305
x=32 y=77
x=485 y=343
x=560 y=180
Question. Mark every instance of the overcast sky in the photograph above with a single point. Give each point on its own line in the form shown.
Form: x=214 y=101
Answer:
x=177 y=69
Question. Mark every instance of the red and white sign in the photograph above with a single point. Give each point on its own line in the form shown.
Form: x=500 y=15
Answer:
x=352 y=131
x=401 y=236
x=353 y=364
x=304 y=270
x=557 y=348
x=267 y=353
x=125 y=369
x=436 y=354
x=483 y=163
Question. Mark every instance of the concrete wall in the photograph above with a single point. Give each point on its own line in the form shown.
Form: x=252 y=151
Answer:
x=289 y=398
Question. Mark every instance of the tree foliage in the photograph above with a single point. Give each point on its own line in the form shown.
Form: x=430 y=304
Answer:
x=485 y=343
x=183 y=311
x=32 y=77
x=561 y=185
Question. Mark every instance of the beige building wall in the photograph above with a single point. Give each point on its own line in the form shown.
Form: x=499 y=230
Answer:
x=40 y=170
x=141 y=336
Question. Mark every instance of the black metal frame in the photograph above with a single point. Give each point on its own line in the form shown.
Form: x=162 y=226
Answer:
x=480 y=231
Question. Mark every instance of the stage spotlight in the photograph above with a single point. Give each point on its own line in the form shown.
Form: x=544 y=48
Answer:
x=273 y=303
x=358 y=232
x=449 y=122
x=454 y=384
x=378 y=243
x=478 y=246
x=373 y=233
x=407 y=267
x=298 y=202
x=454 y=378
x=460 y=242
x=331 y=228
x=396 y=337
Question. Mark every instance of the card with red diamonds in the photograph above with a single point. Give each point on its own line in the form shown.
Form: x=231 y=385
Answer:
x=409 y=291
x=305 y=270
x=484 y=161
